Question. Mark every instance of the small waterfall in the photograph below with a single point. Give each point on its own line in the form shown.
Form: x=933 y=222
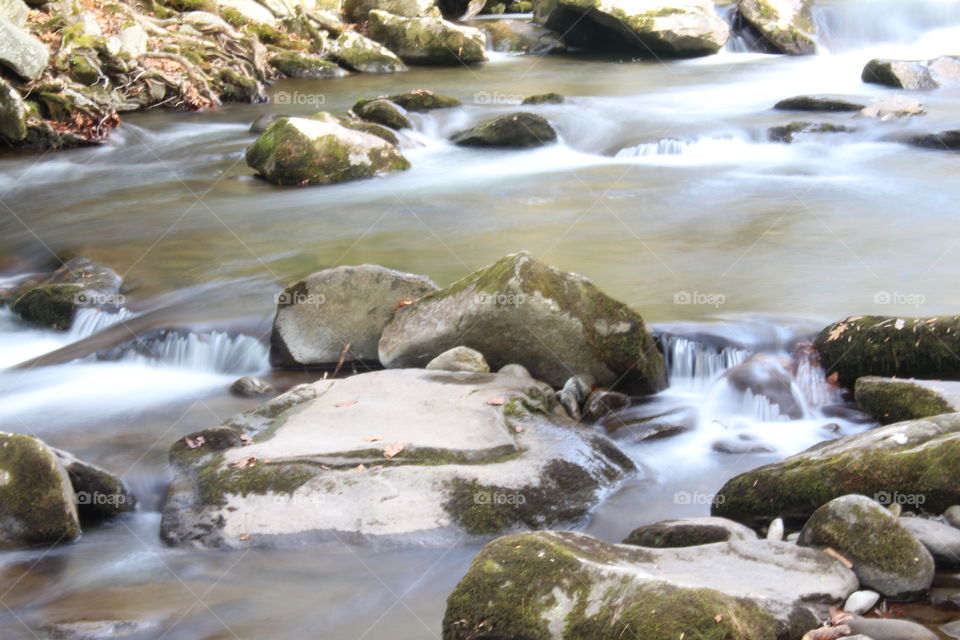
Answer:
x=811 y=379
x=761 y=408
x=708 y=149
x=88 y=321
x=665 y=147
x=693 y=363
x=213 y=351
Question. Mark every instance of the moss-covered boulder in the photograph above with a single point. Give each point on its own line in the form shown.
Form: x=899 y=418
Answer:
x=786 y=25
x=653 y=29
x=359 y=53
x=359 y=10
x=294 y=151
x=791 y=131
x=885 y=555
x=418 y=100
x=36 y=499
x=428 y=41
x=887 y=346
x=384 y=112
x=295 y=64
x=688 y=532
x=13 y=114
x=344 y=306
x=411 y=456
x=822 y=103
x=79 y=283
x=918 y=460
x=519 y=310
x=911 y=75
x=20 y=52
x=563 y=585
x=891 y=400
x=512 y=131
x=544 y=98
x=522 y=36
x=99 y=494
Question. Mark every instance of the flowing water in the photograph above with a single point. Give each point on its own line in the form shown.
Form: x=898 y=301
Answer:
x=664 y=189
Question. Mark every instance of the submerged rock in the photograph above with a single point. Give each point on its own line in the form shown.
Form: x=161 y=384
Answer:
x=564 y=585
x=521 y=36
x=79 y=283
x=892 y=400
x=294 y=151
x=409 y=455
x=511 y=131
x=428 y=41
x=785 y=24
x=37 y=504
x=894 y=464
x=656 y=28
x=519 y=310
x=888 y=346
x=328 y=310
x=885 y=555
x=639 y=423
x=688 y=532
x=360 y=53
x=820 y=103
x=788 y=132
x=383 y=112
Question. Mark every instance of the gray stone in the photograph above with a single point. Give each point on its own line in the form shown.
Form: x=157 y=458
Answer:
x=574 y=394
x=821 y=103
x=602 y=402
x=688 y=532
x=860 y=602
x=460 y=359
x=941 y=540
x=511 y=131
x=382 y=112
x=249 y=386
x=886 y=557
x=427 y=41
x=775 y=530
x=359 y=53
x=99 y=494
x=889 y=629
x=318 y=316
x=952 y=515
x=13 y=113
x=900 y=74
x=15 y=11
x=411 y=456
x=20 y=52
x=784 y=24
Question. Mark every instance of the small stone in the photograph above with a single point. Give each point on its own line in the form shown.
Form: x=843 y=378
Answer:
x=515 y=371
x=601 y=402
x=952 y=516
x=775 y=530
x=249 y=387
x=861 y=602
x=544 y=98
x=460 y=359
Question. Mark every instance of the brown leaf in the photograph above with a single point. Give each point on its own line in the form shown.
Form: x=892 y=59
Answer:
x=496 y=402
x=325 y=467
x=249 y=461
x=372 y=438
x=837 y=332
x=828 y=633
x=361 y=467
x=245 y=440
x=194 y=443
x=834 y=377
x=245 y=537
x=345 y=403
x=718 y=618
x=518 y=429
x=392 y=450
x=402 y=302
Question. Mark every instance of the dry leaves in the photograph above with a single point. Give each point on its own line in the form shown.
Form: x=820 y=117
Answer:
x=718 y=618
x=345 y=403
x=392 y=450
x=249 y=461
x=495 y=402
x=245 y=439
x=360 y=467
x=403 y=302
x=194 y=443
x=828 y=633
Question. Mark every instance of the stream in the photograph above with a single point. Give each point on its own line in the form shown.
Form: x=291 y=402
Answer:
x=664 y=190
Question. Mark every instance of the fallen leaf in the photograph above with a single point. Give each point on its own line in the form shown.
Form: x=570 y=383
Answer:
x=249 y=461
x=496 y=402
x=518 y=429
x=244 y=537
x=345 y=403
x=325 y=467
x=194 y=443
x=372 y=438
x=360 y=467
x=403 y=302
x=392 y=450
x=245 y=440
x=718 y=618
x=837 y=332
x=833 y=378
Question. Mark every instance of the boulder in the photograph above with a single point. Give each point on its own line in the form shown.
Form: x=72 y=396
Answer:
x=942 y=141
x=601 y=402
x=382 y=112
x=427 y=41
x=358 y=10
x=20 y=52
x=522 y=36
x=414 y=456
x=899 y=74
x=262 y=123
x=37 y=504
x=98 y=493
x=330 y=309
x=459 y=359
x=15 y=11
x=511 y=131
x=885 y=555
x=249 y=387
x=893 y=107
x=419 y=100
x=544 y=98
x=361 y=54
x=952 y=516
x=688 y=532
x=294 y=151
x=520 y=310
x=566 y=585
x=654 y=28
x=910 y=462
x=887 y=346
x=13 y=113
x=296 y=64
x=79 y=283
x=892 y=400
x=941 y=540
x=574 y=394
x=821 y=103
x=786 y=25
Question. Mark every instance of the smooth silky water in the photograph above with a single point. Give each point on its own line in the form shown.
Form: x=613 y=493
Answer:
x=664 y=190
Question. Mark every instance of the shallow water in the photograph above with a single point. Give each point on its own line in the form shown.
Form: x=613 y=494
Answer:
x=664 y=190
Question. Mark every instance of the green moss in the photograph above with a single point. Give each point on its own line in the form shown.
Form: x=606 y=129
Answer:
x=215 y=483
x=48 y=305
x=233 y=17
x=192 y=5
x=515 y=131
x=891 y=401
x=673 y=534
x=382 y=112
x=423 y=100
x=544 y=98
x=235 y=87
x=372 y=129
x=295 y=64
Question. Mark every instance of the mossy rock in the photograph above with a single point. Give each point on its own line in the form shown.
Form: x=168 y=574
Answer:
x=786 y=25
x=511 y=309
x=556 y=585
x=53 y=301
x=359 y=10
x=892 y=347
x=428 y=41
x=36 y=498
x=822 y=103
x=361 y=54
x=295 y=64
x=688 y=532
x=544 y=98
x=382 y=112
x=892 y=400
x=416 y=100
x=512 y=131
x=296 y=151
x=521 y=36
x=13 y=113
x=914 y=458
x=788 y=132
x=235 y=87
x=885 y=555
x=99 y=494
x=373 y=129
